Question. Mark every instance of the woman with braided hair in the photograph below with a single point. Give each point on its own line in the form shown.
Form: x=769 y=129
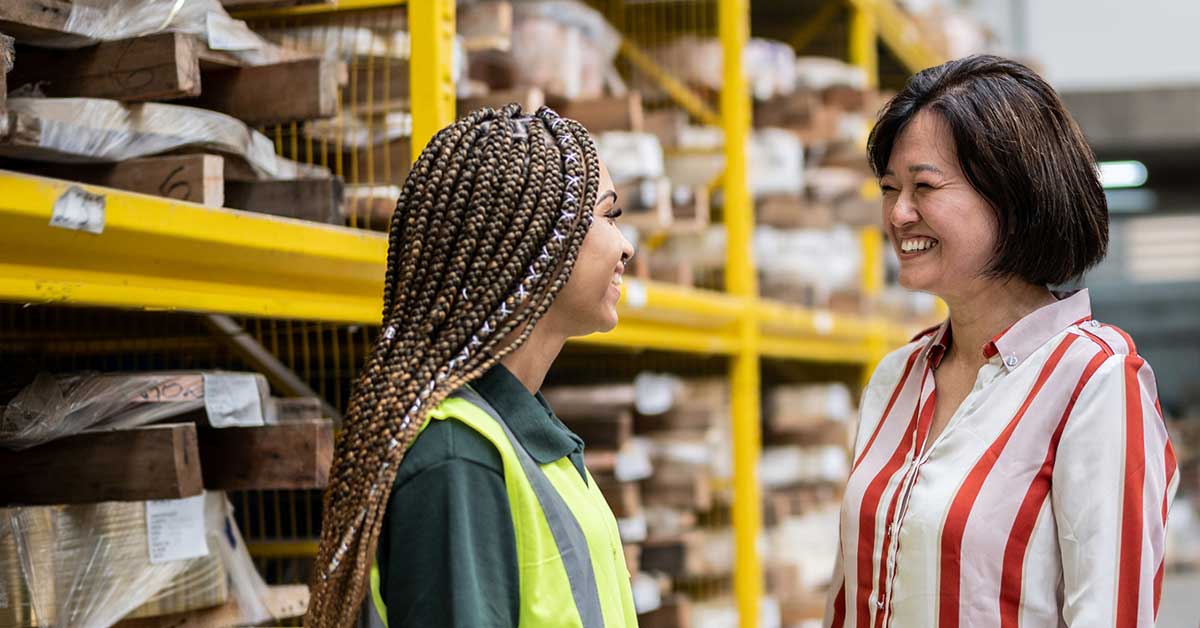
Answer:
x=456 y=496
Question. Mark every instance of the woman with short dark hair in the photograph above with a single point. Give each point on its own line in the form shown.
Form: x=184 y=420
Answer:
x=1011 y=467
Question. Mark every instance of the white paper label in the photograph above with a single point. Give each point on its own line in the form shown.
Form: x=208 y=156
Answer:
x=635 y=293
x=823 y=322
x=79 y=210
x=175 y=529
x=232 y=400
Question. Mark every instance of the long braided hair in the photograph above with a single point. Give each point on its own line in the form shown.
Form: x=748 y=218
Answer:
x=485 y=234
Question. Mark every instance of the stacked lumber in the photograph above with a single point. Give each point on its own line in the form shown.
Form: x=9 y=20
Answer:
x=112 y=487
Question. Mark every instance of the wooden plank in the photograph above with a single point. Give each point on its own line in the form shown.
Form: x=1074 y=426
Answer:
x=675 y=612
x=282 y=602
x=647 y=204
x=290 y=409
x=304 y=89
x=37 y=20
x=154 y=462
x=6 y=65
x=624 y=498
x=633 y=554
x=485 y=26
x=676 y=556
x=164 y=66
x=691 y=492
x=318 y=200
x=600 y=461
x=286 y=456
x=602 y=430
x=612 y=113
x=197 y=178
x=530 y=99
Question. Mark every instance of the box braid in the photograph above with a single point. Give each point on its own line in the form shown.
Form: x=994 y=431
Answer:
x=485 y=234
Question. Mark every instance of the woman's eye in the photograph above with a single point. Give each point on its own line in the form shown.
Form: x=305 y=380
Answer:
x=887 y=189
x=614 y=213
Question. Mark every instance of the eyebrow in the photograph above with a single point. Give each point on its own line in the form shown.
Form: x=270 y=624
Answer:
x=915 y=168
x=606 y=195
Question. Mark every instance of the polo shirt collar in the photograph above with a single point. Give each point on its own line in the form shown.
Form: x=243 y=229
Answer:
x=529 y=417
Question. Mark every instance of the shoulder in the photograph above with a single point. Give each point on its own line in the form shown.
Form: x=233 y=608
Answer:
x=895 y=365
x=1107 y=339
x=447 y=443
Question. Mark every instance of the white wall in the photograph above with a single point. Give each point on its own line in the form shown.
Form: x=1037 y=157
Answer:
x=1102 y=44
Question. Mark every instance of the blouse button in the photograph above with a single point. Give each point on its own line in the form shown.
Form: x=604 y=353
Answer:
x=1011 y=361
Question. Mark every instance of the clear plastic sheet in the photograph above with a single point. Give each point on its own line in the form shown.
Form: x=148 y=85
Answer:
x=56 y=406
x=584 y=42
x=92 y=21
x=631 y=156
x=89 y=566
x=96 y=130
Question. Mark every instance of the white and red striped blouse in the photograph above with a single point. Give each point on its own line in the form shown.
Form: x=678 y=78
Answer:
x=1042 y=503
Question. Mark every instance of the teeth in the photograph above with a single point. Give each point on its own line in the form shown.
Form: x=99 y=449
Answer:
x=617 y=279
x=917 y=244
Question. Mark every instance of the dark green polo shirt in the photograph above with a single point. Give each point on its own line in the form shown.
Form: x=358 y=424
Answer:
x=447 y=552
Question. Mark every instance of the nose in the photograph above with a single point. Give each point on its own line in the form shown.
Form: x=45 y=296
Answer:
x=627 y=250
x=903 y=211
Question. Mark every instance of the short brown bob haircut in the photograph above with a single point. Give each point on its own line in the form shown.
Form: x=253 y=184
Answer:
x=1022 y=151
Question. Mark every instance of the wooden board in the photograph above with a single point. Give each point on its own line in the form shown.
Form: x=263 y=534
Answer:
x=675 y=612
x=676 y=556
x=6 y=64
x=612 y=113
x=283 y=602
x=530 y=99
x=290 y=409
x=304 y=89
x=485 y=25
x=601 y=430
x=692 y=492
x=197 y=178
x=318 y=200
x=624 y=498
x=154 y=462
x=633 y=553
x=34 y=20
x=164 y=66
x=286 y=456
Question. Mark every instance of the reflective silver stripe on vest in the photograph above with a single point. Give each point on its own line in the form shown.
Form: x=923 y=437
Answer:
x=568 y=536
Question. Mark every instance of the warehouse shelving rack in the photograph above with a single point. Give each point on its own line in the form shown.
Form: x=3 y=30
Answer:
x=161 y=254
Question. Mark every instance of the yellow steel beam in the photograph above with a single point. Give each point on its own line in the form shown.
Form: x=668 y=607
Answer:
x=431 y=78
x=733 y=22
x=900 y=34
x=282 y=549
x=816 y=24
x=159 y=253
x=317 y=9
x=686 y=98
x=864 y=39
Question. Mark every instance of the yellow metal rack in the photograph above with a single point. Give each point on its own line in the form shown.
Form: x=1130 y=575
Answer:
x=160 y=254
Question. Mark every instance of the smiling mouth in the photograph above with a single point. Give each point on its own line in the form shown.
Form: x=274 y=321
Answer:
x=912 y=246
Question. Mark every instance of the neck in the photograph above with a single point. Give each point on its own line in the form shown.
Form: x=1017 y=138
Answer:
x=987 y=311
x=530 y=362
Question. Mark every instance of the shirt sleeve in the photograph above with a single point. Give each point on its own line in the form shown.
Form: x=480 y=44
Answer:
x=450 y=554
x=1113 y=480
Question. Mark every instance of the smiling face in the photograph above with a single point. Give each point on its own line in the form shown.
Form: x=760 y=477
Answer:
x=943 y=230
x=588 y=303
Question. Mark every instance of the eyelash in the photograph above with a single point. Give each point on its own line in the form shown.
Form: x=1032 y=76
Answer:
x=614 y=213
